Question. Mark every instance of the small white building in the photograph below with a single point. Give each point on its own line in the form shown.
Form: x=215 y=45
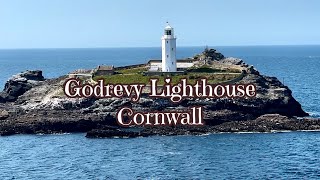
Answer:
x=182 y=64
x=169 y=61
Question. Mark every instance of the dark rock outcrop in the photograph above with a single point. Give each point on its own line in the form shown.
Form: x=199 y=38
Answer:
x=209 y=55
x=269 y=123
x=264 y=123
x=19 y=84
x=272 y=97
x=49 y=121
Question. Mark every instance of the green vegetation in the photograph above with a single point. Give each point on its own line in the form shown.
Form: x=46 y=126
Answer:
x=132 y=70
x=140 y=78
x=205 y=69
x=135 y=75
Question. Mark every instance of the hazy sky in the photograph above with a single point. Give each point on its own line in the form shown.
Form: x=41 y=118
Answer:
x=140 y=23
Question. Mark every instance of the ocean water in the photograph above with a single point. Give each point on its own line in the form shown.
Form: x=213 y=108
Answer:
x=217 y=156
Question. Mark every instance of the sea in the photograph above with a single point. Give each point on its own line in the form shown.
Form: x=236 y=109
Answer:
x=279 y=155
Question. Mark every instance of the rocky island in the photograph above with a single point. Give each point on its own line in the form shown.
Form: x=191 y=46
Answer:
x=31 y=104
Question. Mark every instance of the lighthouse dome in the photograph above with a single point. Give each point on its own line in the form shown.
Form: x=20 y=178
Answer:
x=168 y=27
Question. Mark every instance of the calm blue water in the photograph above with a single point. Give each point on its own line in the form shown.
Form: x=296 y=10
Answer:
x=237 y=156
x=229 y=156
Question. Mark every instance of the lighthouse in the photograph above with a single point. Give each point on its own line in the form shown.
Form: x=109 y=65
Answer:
x=169 y=61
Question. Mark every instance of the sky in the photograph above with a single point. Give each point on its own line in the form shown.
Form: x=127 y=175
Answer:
x=140 y=23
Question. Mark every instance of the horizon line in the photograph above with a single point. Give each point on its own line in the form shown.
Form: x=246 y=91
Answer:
x=116 y=47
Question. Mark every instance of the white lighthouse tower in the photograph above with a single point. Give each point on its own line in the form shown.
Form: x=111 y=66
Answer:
x=169 y=62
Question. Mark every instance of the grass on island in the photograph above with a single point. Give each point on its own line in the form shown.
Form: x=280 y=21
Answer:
x=135 y=75
x=137 y=70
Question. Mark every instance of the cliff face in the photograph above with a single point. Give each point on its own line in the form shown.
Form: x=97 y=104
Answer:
x=40 y=106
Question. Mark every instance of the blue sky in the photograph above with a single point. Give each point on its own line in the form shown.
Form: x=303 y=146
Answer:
x=140 y=23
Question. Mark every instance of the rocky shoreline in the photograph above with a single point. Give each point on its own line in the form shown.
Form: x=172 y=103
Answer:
x=31 y=104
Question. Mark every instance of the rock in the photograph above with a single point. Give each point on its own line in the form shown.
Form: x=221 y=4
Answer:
x=5 y=97
x=232 y=61
x=209 y=55
x=58 y=103
x=4 y=114
x=19 y=84
x=252 y=70
x=269 y=123
x=213 y=54
x=35 y=75
x=112 y=132
x=7 y=132
x=272 y=98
